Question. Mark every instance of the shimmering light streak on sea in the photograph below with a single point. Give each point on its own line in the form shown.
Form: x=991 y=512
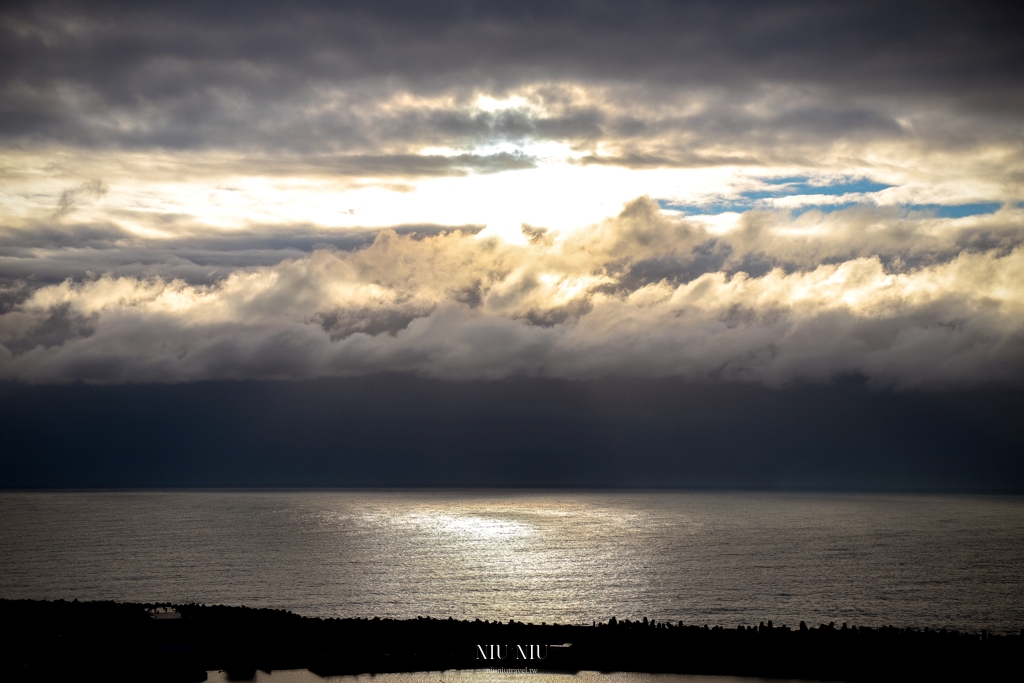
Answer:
x=303 y=676
x=567 y=557
x=492 y=555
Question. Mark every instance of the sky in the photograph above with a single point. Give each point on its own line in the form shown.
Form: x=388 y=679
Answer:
x=508 y=209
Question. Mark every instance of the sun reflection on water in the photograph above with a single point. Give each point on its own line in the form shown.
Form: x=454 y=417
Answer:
x=486 y=555
x=484 y=676
x=471 y=526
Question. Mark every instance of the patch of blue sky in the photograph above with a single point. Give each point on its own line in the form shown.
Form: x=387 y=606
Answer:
x=720 y=206
x=791 y=186
x=956 y=210
x=802 y=185
x=712 y=208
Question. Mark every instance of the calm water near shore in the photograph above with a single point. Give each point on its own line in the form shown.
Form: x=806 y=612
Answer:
x=302 y=676
x=567 y=557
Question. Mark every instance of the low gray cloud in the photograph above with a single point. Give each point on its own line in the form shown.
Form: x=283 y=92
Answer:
x=418 y=165
x=69 y=199
x=48 y=252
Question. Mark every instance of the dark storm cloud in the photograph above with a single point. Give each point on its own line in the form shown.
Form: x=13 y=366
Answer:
x=397 y=430
x=48 y=252
x=288 y=74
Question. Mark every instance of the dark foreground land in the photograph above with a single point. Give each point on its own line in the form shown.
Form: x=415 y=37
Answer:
x=47 y=641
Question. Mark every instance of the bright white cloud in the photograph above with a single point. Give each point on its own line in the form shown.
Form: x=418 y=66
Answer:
x=571 y=305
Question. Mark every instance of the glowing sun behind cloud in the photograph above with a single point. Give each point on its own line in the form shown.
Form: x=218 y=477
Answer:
x=613 y=210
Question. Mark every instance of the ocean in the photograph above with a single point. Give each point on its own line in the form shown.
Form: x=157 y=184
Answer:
x=484 y=676
x=716 y=558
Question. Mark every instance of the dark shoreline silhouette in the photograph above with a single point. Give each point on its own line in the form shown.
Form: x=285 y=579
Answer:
x=53 y=640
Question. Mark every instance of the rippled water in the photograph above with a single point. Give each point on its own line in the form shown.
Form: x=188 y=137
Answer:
x=715 y=558
x=481 y=676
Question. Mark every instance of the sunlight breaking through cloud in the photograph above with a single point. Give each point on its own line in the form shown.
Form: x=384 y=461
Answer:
x=699 y=190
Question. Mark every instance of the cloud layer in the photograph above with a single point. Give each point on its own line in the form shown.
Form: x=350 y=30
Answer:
x=642 y=294
x=260 y=190
x=654 y=80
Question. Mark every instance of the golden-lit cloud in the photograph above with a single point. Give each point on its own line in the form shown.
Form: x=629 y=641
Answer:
x=320 y=191
x=574 y=305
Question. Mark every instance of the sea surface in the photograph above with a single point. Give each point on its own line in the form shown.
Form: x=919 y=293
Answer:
x=553 y=556
x=484 y=676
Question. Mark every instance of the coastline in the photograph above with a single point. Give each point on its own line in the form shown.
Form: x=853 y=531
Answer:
x=180 y=643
